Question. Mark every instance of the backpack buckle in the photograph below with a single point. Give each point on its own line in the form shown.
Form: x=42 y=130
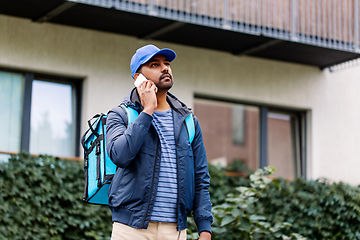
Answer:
x=98 y=149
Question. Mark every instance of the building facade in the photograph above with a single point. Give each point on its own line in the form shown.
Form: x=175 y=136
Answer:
x=298 y=116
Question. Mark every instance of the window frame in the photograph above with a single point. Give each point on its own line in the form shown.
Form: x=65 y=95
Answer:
x=300 y=130
x=29 y=77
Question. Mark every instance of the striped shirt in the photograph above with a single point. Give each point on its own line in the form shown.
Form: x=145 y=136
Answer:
x=165 y=206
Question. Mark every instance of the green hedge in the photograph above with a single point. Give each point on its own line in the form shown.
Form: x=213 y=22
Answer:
x=237 y=218
x=316 y=209
x=41 y=198
x=222 y=185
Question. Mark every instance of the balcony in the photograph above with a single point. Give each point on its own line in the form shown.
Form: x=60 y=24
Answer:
x=320 y=33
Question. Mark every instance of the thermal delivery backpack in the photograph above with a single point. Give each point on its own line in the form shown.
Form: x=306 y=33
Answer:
x=99 y=169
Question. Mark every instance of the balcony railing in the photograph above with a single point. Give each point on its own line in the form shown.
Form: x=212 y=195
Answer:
x=326 y=23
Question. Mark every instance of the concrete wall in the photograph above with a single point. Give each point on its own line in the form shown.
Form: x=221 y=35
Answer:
x=102 y=59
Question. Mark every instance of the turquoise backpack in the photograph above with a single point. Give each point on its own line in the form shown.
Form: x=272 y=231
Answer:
x=99 y=169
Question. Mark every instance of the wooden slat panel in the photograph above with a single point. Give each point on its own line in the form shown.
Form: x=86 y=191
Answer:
x=326 y=19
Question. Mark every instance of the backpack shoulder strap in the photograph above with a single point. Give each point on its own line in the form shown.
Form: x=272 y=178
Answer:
x=131 y=114
x=189 y=121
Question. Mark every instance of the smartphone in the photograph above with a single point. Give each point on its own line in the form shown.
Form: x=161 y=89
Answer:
x=139 y=80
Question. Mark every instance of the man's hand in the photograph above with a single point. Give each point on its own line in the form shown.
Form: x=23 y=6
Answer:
x=205 y=236
x=147 y=93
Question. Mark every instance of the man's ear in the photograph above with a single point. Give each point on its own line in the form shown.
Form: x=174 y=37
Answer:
x=136 y=75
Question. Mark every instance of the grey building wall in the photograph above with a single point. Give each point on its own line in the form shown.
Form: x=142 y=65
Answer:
x=102 y=60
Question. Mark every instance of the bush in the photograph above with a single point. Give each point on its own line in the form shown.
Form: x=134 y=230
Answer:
x=222 y=185
x=41 y=198
x=316 y=209
x=237 y=217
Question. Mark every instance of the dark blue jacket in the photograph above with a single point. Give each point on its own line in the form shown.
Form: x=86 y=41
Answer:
x=136 y=151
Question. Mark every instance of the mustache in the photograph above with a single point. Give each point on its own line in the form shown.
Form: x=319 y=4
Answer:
x=165 y=75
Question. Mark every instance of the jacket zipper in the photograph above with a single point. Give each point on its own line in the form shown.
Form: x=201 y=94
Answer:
x=178 y=190
x=178 y=180
x=151 y=189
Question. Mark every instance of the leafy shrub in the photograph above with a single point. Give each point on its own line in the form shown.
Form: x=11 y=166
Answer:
x=237 y=218
x=222 y=185
x=316 y=209
x=41 y=198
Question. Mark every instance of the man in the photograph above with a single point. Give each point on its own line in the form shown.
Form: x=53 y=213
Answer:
x=161 y=178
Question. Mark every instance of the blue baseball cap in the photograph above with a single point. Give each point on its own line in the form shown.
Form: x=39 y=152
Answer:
x=145 y=53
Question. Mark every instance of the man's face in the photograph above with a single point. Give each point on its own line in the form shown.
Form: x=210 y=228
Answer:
x=158 y=70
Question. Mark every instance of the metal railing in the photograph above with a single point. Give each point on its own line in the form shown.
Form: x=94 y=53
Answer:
x=327 y=23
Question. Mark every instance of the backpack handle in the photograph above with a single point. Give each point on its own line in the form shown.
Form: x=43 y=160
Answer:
x=82 y=140
x=90 y=125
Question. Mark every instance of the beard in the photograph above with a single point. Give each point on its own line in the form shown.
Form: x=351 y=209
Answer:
x=165 y=85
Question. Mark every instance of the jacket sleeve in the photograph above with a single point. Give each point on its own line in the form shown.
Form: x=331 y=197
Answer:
x=123 y=142
x=202 y=205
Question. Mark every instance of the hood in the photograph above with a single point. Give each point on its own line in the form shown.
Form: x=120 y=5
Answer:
x=133 y=100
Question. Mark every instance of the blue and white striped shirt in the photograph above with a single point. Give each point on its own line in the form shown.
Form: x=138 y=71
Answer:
x=165 y=206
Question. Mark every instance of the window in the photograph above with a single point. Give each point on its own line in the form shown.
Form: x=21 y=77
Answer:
x=230 y=132
x=11 y=98
x=52 y=121
x=255 y=135
x=41 y=114
x=282 y=144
